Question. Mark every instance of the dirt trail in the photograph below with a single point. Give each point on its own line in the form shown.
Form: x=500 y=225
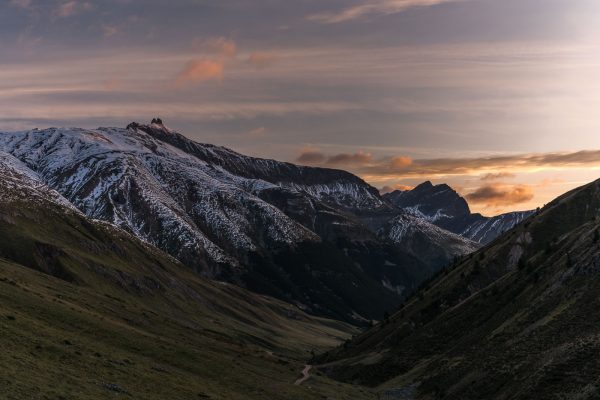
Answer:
x=305 y=375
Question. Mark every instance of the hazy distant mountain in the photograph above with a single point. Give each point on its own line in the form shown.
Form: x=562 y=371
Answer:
x=305 y=235
x=517 y=319
x=442 y=206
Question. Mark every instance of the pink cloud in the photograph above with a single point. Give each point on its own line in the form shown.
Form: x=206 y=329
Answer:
x=199 y=71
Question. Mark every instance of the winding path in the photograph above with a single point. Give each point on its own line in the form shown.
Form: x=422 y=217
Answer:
x=305 y=375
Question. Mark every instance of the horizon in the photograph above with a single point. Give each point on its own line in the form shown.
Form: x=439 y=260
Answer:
x=496 y=100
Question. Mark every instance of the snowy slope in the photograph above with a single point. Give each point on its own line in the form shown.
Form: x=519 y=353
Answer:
x=154 y=190
x=18 y=184
x=431 y=243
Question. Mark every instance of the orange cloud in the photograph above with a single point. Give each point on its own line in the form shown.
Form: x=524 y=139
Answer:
x=201 y=71
x=498 y=195
x=401 y=162
x=403 y=167
x=261 y=60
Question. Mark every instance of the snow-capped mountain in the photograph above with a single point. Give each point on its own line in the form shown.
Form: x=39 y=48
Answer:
x=444 y=207
x=299 y=233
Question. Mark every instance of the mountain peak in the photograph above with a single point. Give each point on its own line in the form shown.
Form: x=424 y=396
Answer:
x=424 y=185
x=155 y=124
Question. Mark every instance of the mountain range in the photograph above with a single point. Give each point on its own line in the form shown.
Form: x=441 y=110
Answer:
x=322 y=239
x=442 y=206
x=135 y=262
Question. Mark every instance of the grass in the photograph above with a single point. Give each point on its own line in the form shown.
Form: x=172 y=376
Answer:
x=88 y=312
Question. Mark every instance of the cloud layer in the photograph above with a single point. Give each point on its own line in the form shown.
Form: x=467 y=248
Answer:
x=406 y=167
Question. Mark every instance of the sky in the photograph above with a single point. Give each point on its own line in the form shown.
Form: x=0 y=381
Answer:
x=498 y=98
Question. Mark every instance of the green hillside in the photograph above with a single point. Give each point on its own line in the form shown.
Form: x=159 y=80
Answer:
x=517 y=320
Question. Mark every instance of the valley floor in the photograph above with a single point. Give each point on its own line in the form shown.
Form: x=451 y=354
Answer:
x=61 y=341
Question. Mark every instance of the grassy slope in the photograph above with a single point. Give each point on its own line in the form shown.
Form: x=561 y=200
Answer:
x=87 y=312
x=499 y=326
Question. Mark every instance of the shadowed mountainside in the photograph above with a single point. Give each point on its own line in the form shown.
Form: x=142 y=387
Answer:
x=518 y=319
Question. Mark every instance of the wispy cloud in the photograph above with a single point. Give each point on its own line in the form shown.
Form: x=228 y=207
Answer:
x=497 y=176
x=313 y=156
x=378 y=7
x=72 y=7
x=110 y=30
x=219 y=46
x=261 y=60
x=26 y=4
x=259 y=132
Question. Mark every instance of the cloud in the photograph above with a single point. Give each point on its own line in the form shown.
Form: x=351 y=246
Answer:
x=497 y=176
x=109 y=30
x=112 y=83
x=221 y=46
x=360 y=158
x=26 y=4
x=208 y=69
x=258 y=132
x=261 y=60
x=199 y=71
x=508 y=165
x=373 y=7
x=401 y=162
x=311 y=157
x=393 y=188
x=72 y=7
x=499 y=194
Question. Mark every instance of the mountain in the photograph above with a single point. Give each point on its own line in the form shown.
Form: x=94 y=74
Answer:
x=516 y=320
x=309 y=236
x=433 y=245
x=88 y=311
x=444 y=207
